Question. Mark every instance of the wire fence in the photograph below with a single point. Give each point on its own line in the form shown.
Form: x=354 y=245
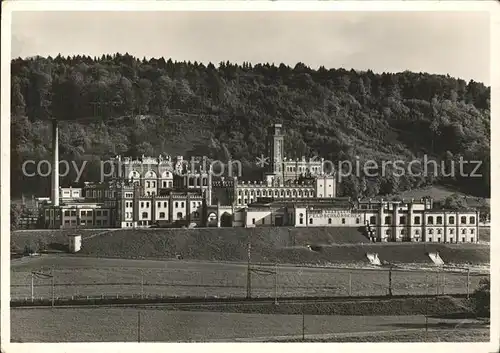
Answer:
x=238 y=281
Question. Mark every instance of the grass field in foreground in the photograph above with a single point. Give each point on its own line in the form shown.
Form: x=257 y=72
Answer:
x=157 y=324
x=77 y=276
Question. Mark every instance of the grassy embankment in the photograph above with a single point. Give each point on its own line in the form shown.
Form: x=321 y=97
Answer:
x=283 y=245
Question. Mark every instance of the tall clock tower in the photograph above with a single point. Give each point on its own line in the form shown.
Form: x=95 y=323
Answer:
x=275 y=148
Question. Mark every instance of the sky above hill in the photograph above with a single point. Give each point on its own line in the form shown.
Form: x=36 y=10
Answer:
x=454 y=43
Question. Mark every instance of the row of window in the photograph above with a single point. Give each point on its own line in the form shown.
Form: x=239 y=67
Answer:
x=161 y=215
x=139 y=223
x=196 y=181
x=71 y=194
x=276 y=192
x=431 y=231
x=164 y=204
x=451 y=240
x=430 y=220
x=83 y=222
x=301 y=220
x=88 y=213
x=98 y=193
x=166 y=184
x=302 y=169
x=402 y=220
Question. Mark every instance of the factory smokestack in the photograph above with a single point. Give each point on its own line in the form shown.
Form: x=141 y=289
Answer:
x=55 y=163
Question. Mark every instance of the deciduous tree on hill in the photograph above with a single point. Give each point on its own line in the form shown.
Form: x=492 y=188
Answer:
x=332 y=113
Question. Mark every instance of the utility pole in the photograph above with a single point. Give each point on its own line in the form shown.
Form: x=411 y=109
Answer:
x=276 y=284
x=426 y=325
x=249 y=274
x=32 y=288
x=426 y=311
x=468 y=274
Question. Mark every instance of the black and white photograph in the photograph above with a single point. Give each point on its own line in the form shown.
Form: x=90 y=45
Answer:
x=236 y=175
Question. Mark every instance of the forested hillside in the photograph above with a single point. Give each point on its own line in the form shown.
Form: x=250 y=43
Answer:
x=124 y=105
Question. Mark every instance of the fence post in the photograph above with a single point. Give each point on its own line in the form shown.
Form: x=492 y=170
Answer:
x=139 y=326
x=390 y=281
x=350 y=283
x=53 y=285
x=303 y=324
x=437 y=282
x=276 y=284
x=468 y=274
x=32 y=288
x=444 y=281
x=142 y=285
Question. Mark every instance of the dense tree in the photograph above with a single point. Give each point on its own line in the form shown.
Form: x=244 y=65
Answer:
x=16 y=212
x=481 y=298
x=121 y=104
x=455 y=202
